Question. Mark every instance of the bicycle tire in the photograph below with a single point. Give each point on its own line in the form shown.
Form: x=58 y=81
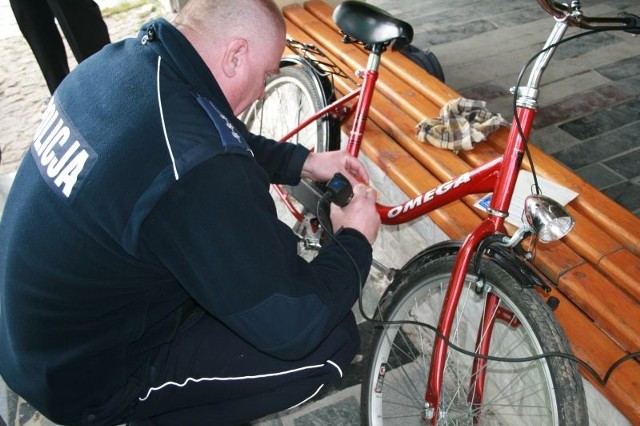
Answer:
x=291 y=96
x=544 y=392
x=426 y=59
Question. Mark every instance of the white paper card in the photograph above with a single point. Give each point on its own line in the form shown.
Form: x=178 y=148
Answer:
x=524 y=188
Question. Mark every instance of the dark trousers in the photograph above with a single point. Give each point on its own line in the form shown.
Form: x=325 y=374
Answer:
x=209 y=376
x=81 y=22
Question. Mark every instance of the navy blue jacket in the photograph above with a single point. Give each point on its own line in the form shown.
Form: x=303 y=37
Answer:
x=140 y=192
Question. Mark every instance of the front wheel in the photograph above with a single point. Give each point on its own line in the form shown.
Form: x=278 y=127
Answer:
x=544 y=392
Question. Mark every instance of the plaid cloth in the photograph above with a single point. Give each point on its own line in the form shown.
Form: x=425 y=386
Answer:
x=462 y=123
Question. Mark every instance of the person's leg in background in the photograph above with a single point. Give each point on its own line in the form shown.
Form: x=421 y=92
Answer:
x=36 y=22
x=83 y=26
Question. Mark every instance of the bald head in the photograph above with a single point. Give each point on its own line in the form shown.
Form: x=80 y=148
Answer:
x=241 y=41
x=217 y=20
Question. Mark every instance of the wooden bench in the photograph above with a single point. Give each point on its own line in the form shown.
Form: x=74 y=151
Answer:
x=595 y=270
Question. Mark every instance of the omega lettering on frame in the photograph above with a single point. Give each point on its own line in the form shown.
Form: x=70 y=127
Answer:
x=429 y=195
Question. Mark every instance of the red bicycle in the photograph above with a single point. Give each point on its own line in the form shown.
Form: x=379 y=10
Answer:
x=464 y=336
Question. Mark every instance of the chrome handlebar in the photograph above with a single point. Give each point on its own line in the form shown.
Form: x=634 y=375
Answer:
x=572 y=14
x=559 y=10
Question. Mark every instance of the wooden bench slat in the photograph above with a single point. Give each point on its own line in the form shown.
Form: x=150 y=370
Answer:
x=555 y=259
x=456 y=219
x=610 y=308
x=592 y=345
x=628 y=271
x=611 y=217
x=439 y=162
x=443 y=164
x=588 y=238
x=400 y=93
x=596 y=205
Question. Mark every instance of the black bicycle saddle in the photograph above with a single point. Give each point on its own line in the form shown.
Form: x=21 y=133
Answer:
x=372 y=25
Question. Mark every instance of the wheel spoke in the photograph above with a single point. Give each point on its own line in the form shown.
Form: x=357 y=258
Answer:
x=529 y=393
x=290 y=97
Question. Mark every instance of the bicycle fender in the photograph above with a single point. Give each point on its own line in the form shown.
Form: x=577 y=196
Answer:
x=320 y=82
x=521 y=270
x=505 y=258
x=324 y=86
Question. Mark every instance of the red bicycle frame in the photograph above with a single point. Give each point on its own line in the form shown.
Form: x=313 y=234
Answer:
x=497 y=176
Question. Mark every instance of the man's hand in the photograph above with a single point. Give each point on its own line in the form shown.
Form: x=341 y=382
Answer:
x=321 y=166
x=360 y=214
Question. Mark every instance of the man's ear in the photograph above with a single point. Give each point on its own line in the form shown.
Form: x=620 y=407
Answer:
x=234 y=55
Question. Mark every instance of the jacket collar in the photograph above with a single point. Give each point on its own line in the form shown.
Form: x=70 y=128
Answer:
x=177 y=52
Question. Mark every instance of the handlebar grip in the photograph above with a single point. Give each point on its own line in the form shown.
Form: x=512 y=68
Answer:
x=573 y=15
x=624 y=21
x=633 y=25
